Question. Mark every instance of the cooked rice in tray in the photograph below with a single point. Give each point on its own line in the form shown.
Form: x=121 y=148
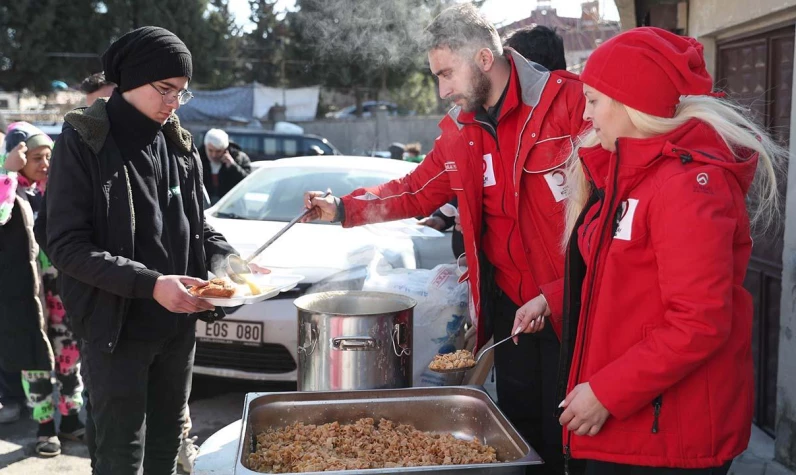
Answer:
x=361 y=445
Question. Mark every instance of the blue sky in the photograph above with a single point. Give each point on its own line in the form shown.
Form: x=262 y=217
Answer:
x=498 y=11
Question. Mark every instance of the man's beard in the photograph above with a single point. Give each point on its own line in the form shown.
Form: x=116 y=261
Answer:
x=479 y=91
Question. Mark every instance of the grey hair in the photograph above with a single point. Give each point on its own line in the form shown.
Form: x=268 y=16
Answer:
x=462 y=28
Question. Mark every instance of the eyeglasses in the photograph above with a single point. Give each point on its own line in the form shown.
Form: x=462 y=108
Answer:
x=170 y=97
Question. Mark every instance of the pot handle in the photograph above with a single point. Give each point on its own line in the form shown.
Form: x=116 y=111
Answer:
x=309 y=346
x=354 y=343
x=397 y=336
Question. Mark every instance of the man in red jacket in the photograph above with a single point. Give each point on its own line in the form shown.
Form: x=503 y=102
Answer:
x=501 y=152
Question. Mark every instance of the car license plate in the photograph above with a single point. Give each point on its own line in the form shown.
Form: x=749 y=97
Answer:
x=230 y=331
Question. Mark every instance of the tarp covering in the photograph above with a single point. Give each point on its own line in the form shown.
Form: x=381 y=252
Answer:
x=249 y=102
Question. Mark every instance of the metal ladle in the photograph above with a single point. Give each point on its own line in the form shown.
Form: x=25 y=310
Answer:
x=237 y=268
x=480 y=356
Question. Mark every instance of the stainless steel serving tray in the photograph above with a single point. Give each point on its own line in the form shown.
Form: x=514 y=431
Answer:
x=467 y=412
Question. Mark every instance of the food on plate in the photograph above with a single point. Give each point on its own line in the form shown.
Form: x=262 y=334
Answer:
x=460 y=359
x=253 y=287
x=361 y=445
x=223 y=287
x=218 y=287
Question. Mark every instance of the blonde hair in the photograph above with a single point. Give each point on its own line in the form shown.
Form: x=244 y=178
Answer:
x=731 y=121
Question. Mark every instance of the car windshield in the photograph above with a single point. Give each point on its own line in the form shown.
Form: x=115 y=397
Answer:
x=276 y=193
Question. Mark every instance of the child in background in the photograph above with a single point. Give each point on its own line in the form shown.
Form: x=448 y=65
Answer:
x=37 y=340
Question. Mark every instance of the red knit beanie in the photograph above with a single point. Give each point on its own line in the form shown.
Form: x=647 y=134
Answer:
x=648 y=69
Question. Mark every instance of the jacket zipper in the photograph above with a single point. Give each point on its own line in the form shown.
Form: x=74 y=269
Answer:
x=126 y=302
x=567 y=456
x=164 y=207
x=656 y=411
x=519 y=146
x=685 y=157
x=567 y=339
x=502 y=201
x=156 y=164
x=608 y=219
x=493 y=129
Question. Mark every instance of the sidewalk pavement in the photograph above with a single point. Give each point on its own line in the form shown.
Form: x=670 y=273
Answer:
x=759 y=457
x=18 y=454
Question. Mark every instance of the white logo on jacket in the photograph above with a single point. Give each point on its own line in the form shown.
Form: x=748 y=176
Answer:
x=625 y=217
x=557 y=181
x=489 y=171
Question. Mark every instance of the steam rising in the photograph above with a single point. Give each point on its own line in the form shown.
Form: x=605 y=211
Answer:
x=377 y=32
x=218 y=266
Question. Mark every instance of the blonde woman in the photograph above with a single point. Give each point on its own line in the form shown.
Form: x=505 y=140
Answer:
x=656 y=366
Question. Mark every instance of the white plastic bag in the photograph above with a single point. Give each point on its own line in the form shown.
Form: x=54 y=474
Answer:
x=439 y=318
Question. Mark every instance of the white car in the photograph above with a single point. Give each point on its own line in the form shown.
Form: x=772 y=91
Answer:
x=259 y=341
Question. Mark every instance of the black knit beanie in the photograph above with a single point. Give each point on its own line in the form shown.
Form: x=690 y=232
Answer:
x=146 y=55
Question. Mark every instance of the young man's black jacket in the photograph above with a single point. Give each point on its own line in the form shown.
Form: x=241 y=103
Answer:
x=90 y=224
x=228 y=176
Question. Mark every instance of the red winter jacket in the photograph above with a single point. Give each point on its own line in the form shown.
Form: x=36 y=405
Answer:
x=550 y=118
x=665 y=325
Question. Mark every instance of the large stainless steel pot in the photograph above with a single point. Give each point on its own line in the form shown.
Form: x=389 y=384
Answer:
x=354 y=340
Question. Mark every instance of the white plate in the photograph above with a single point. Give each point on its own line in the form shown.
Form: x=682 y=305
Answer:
x=277 y=282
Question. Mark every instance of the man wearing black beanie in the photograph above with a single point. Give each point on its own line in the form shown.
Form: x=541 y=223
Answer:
x=124 y=225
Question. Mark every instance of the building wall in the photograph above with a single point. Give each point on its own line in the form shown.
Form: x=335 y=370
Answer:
x=9 y=100
x=576 y=60
x=785 y=446
x=627 y=13
x=711 y=16
x=358 y=136
x=712 y=21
